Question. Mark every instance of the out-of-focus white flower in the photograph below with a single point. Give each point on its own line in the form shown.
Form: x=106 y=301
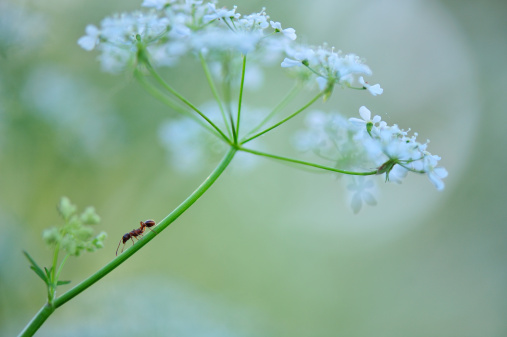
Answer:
x=397 y=174
x=20 y=28
x=254 y=21
x=435 y=174
x=73 y=109
x=373 y=89
x=287 y=63
x=221 y=13
x=157 y=4
x=322 y=82
x=289 y=32
x=361 y=190
x=91 y=38
x=326 y=66
x=220 y=40
x=332 y=138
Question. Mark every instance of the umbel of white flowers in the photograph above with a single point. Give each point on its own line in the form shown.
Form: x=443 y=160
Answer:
x=171 y=29
x=167 y=31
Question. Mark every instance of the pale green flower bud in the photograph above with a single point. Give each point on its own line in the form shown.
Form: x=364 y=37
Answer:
x=83 y=233
x=69 y=245
x=66 y=208
x=89 y=217
x=51 y=236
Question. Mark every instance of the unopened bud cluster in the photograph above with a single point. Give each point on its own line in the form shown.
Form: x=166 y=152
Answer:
x=76 y=234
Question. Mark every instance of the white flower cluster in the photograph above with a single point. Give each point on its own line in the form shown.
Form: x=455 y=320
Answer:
x=395 y=151
x=171 y=28
x=329 y=67
x=367 y=143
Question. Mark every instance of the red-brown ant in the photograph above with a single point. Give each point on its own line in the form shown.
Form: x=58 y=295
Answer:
x=135 y=233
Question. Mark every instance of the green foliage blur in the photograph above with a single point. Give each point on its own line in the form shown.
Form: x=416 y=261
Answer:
x=273 y=251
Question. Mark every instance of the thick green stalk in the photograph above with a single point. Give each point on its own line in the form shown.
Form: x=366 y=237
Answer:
x=37 y=321
x=48 y=309
x=305 y=163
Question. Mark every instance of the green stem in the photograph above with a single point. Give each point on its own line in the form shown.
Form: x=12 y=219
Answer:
x=227 y=95
x=300 y=162
x=164 y=84
x=57 y=277
x=214 y=90
x=285 y=119
x=48 y=309
x=155 y=92
x=37 y=321
x=240 y=98
x=279 y=107
x=52 y=280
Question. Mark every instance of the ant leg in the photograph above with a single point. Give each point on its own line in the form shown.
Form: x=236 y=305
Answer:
x=152 y=230
x=119 y=247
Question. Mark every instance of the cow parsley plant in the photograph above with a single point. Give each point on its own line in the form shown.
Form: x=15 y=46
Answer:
x=232 y=50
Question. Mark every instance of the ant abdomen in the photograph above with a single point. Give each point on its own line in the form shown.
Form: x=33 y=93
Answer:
x=149 y=223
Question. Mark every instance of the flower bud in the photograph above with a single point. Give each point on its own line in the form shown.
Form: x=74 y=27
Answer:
x=51 y=236
x=66 y=208
x=89 y=217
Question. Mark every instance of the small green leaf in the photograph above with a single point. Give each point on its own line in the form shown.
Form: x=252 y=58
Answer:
x=32 y=261
x=48 y=272
x=35 y=267
x=59 y=283
x=40 y=274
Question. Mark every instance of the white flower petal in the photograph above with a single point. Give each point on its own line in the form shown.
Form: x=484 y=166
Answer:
x=375 y=89
x=287 y=63
x=322 y=82
x=356 y=203
x=290 y=33
x=365 y=113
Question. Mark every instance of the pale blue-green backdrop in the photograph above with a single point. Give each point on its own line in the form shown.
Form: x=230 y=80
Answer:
x=270 y=251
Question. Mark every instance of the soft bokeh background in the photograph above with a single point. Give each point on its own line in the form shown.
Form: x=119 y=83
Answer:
x=273 y=251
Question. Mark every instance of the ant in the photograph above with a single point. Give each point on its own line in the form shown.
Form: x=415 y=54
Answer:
x=135 y=233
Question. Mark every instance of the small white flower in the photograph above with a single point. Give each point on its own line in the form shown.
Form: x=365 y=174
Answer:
x=361 y=190
x=373 y=89
x=322 y=82
x=255 y=21
x=287 y=63
x=348 y=65
x=157 y=4
x=220 y=13
x=435 y=174
x=90 y=40
x=289 y=32
x=366 y=117
x=397 y=174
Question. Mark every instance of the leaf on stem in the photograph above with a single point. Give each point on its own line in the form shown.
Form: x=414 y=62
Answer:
x=48 y=272
x=35 y=267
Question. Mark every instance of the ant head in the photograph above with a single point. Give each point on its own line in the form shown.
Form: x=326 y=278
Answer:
x=149 y=223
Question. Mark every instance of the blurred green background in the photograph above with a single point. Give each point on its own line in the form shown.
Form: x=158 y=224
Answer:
x=273 y=251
